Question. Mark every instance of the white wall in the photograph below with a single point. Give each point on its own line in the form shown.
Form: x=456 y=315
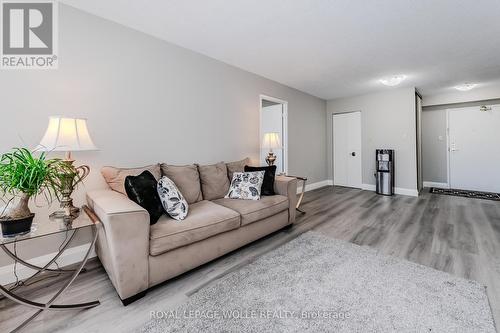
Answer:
x=149 y=101
x=387 y=121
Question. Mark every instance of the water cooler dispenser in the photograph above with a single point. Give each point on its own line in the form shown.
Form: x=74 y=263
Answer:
x=385 y=171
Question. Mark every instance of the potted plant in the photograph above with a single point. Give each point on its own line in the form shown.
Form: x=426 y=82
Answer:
x=24 y=176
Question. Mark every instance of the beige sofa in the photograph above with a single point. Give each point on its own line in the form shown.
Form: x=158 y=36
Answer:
x=137 y=256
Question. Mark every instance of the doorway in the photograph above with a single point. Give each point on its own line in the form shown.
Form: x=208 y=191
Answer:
x=473 y=159
x=347 y=161
x=274 y=119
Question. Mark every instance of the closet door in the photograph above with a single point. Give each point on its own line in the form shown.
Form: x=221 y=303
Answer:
x=347 y=149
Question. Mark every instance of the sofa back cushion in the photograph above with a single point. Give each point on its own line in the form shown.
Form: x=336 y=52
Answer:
x=214 y=180
x=115 y=177
x=238 y=166
x=187 y=180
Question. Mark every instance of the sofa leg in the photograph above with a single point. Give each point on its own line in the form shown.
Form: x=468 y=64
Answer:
x=134 y=298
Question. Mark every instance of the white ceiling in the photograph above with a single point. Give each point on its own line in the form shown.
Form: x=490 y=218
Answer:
x=329 y=48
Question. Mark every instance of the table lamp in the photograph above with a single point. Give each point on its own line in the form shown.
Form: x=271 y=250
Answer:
x=68 y=135
x=271 y=141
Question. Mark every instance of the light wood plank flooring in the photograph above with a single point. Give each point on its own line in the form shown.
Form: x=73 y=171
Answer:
x=456 y=235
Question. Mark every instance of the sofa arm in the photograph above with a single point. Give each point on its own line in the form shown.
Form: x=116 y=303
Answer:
x=123 y=241
x=287 y=186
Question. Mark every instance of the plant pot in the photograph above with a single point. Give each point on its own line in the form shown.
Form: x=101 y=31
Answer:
x=14 y=227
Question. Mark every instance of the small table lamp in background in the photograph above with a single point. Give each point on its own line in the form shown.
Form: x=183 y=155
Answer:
x=271 y=141
x=68 y=135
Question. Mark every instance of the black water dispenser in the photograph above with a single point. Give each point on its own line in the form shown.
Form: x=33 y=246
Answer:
x=385 y=171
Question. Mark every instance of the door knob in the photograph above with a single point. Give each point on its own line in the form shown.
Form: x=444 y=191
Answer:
x=353 y=153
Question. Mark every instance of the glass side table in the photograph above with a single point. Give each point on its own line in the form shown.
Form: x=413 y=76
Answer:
x=302 y=192
x=44 y=225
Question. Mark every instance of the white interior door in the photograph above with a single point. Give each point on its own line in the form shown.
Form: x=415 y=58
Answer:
x=474 y=154
x=272 y=120
x=347 y=149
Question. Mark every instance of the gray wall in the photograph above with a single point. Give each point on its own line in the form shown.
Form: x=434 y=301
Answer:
x=268 y=103
x=387 y=121
x=484 y=91
x=149 y=101
x=434 y=150
x=434 y=163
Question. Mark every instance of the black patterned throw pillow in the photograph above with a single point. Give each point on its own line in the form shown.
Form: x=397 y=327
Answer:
x=269 y=175
x=246 y=185
x=142 y=190
x=172 y=199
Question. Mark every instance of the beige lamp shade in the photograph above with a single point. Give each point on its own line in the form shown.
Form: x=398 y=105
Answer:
x=271 y=141
x=66 y=134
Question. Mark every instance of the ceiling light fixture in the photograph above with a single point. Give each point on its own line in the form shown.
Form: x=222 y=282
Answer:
x=466 y=86
x=392 y=81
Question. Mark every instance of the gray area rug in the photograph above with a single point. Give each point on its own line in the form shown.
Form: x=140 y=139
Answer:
x=318 y=284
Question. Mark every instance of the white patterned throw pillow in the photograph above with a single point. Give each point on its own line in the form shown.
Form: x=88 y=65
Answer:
x=172 y=199
x=246 y=185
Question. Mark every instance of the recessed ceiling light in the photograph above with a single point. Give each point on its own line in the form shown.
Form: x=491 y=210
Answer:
x=392 y=81
x=466 y=86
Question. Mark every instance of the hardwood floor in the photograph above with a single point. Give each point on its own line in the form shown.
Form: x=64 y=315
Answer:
x=457 y=235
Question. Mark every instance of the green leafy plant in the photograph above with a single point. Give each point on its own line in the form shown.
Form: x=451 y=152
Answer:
x=24 y=176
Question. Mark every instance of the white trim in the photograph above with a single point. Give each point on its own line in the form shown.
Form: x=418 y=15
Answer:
x=448 y=166
x=71 y=256
x=406 y=191
x=313 y=186
x=397 y=190
x=285 y=127
x=418 y=140
x=368 y=187
x=435 y=184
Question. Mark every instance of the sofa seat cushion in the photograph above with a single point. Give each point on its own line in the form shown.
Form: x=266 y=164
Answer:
x=205 y=219
x=255 y=210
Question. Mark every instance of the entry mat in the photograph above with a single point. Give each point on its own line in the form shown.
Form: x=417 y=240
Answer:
x=466 y=193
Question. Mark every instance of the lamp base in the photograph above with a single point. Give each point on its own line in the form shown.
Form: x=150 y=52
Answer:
x=271 y=158
x=65 y=216
x=69 y=209
x=68 y=183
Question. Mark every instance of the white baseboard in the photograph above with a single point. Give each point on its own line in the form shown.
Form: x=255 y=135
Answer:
x=406 y=191
x=368 y=187
x=435 y=184
x=70 y=256
x=397 y=190
x=313 y=186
